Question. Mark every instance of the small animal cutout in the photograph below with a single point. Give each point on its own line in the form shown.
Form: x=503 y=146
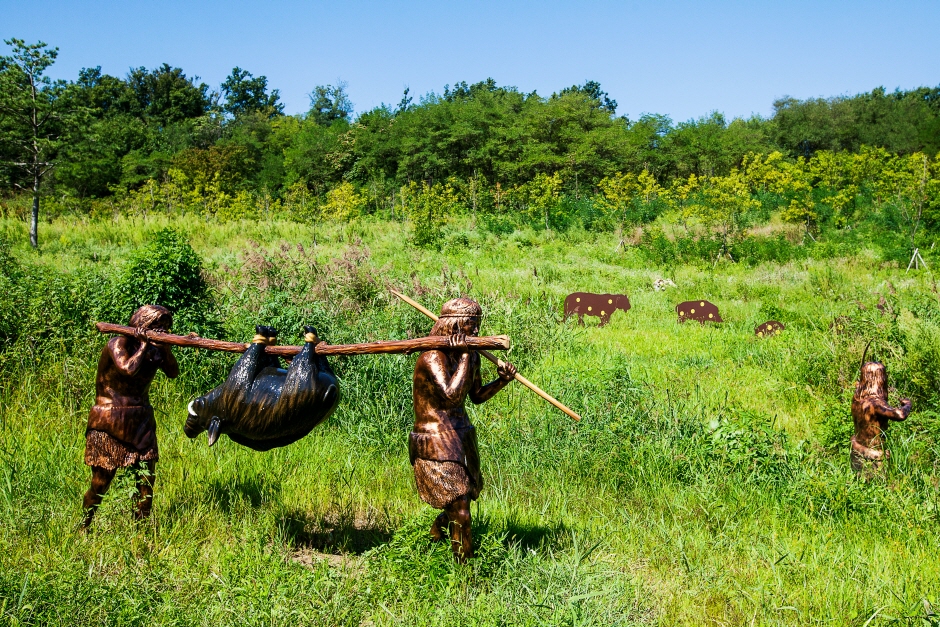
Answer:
x=769 y=328
x=699 y=310
x=601 y=305
x=840 y=325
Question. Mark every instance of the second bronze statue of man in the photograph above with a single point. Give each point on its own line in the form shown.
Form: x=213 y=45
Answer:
x=122 y=432
x=443 y=444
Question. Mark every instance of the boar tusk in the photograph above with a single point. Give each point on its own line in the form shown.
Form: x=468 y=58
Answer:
x=190 y=408
x=213 y=430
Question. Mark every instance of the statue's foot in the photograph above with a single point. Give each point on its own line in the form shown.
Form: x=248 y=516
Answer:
x=439 y=528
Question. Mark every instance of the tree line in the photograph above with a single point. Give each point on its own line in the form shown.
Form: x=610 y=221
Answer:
x=159 y=139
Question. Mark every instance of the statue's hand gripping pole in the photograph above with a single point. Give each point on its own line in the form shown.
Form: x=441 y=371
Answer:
x=496 y=361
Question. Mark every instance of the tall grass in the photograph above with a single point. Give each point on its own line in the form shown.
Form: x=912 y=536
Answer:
x=707 y=483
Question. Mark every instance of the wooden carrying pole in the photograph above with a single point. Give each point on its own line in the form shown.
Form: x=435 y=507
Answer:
x=498 y=342
x=495 y=360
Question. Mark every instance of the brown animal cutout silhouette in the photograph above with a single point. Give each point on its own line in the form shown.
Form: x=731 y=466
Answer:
x=769 y=328
x=601 y=305
x=699 y=310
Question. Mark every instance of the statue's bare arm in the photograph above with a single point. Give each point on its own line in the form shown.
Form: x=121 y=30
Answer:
x=892 y=413
x=170 y=366
x=455 y=386
x=481 y=393
x=127 y=360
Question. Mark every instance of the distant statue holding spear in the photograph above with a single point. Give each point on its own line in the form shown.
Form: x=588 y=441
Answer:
x=872 y=414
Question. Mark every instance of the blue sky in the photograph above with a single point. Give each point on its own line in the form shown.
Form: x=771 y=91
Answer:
x=683 y=59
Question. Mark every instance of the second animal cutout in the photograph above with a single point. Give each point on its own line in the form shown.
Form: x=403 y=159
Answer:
x=699 y=310
x=769 y=328
x=601 y=305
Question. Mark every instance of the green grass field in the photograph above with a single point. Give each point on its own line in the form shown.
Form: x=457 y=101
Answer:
x=708 y=482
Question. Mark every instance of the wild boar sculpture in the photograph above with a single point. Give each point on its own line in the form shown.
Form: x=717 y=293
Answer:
x=261 y=405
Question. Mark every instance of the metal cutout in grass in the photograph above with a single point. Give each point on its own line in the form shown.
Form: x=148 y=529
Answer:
x=769 y=329
x=601 y=305
x=701 y=311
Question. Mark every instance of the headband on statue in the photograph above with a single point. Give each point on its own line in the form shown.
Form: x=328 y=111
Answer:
x=461 y=308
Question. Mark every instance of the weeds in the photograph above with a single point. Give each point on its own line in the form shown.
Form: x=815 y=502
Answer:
x=707 y=482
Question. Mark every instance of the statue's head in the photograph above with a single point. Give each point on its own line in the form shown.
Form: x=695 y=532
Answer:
x=872 y=381
x=460 y=315
x=621 y=302
x=152 y=317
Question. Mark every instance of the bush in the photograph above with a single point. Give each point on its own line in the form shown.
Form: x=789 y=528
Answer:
x=166 y=272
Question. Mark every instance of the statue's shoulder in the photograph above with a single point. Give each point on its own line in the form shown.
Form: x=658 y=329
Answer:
x=429 y=358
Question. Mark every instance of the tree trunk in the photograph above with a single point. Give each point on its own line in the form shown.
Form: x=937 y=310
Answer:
x=34 y=221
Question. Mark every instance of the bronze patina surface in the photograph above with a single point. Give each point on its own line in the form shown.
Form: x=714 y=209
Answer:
x=122 y=432
x=872 y=414
x=263 y=406
x=443 y=443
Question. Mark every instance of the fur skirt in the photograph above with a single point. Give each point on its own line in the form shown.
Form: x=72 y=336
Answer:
x=442 y=483
x=107 y=452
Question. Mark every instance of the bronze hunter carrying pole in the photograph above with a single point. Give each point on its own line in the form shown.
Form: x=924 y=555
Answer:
x=494 y=359
x=497 y=342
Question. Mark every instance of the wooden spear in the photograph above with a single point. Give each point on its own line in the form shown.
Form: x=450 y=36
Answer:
x=495 y=360
x=497 y=342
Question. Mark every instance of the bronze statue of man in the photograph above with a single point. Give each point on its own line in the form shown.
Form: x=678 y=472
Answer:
x=443 y=444
x=872 y=414
x=122 y=432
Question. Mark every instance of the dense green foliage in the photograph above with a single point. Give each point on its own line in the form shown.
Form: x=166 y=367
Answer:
x=707 y=482
x=159 y=140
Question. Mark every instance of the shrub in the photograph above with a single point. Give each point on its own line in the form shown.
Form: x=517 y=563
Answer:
x=167 y=272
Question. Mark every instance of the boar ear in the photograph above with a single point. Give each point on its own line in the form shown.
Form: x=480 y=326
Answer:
x=213 y=430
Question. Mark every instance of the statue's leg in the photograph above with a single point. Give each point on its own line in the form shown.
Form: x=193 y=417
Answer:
x=100 y=482
x=146 y=475
x=238 y=383
x=439 y=527
x=304 y=387
x=461 y=539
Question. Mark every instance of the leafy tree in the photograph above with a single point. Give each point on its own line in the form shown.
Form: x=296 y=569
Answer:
x=405 y=103
x=592 y=89
x=329 y=104
x=107 y=125
x=244 y=93
x=30 y=116
x=428 y=207
x=901 y=122
x=720 y=205
x=166 y=95
x=311 y=152
x=343 y=203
